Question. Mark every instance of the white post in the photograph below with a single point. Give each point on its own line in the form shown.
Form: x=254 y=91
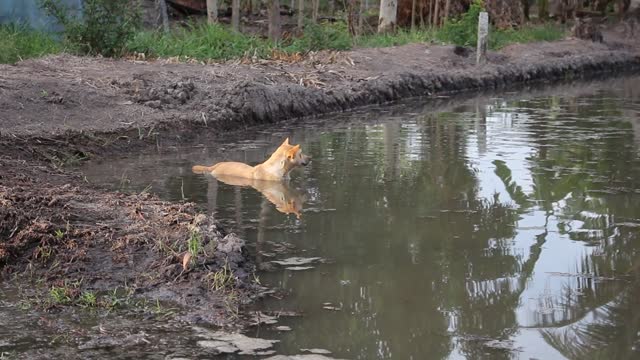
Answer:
x=162 y=5
x=235 y=15
x=483 y=37
x=212 y=11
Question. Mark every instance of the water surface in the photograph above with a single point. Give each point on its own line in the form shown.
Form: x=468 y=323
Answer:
x=492 y=227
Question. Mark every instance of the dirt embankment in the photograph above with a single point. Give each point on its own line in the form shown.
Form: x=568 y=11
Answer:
x=60 y=110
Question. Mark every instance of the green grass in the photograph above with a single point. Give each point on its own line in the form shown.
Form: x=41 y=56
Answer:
x=217 y=42
x=60 y=295
x=20 y=43
x=201 y=41
x=530 y=33
x=88 y=299
x=194 y=244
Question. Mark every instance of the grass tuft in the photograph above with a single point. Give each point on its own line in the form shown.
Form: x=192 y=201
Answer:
x=17 y=43
x=199 y=41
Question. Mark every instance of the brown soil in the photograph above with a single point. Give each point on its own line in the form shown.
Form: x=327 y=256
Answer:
x=59 y=110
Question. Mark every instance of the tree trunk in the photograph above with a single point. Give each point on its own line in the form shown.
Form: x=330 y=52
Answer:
x=543 y=9
x=436 y=19
x=388 y=12
x=352 y=17
x=361 y=16
x=429 y=17
x=274 y=20
x=525 y=9
x=447 y=6
x=300 y=14
x=212 y=11
x=235 y=15
x=413 y=15
x=164 y=16
x=505 y=14
x=314 y=13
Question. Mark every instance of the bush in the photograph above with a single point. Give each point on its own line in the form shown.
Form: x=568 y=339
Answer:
x=104 y=27
x=463 y=31
x=18 y=42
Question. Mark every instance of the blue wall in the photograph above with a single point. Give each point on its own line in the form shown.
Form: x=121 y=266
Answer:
x=29 y=12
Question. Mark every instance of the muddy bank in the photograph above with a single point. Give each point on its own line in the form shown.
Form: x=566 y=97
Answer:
x=65 y=96
x=58 y=233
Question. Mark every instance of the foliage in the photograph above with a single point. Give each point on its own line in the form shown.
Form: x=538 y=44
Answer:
x=463 y=31
x=88 y=299
x=104 y=27
x=18 y=42
x=115 y=34
x=61 y=295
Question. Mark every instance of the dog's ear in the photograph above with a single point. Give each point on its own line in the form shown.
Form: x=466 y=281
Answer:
x=286 y=142
x=293 y=151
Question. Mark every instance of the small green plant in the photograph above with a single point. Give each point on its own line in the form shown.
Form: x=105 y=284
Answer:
x=88 y=299
x=231 y=300
x=112 y=300
x=43 y=252
x=60 y=295
x=194 y=244
x=221 y=279
x=59 y=234
x=103 y=27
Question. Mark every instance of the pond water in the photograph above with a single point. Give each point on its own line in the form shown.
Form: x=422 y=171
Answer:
x=489 y=227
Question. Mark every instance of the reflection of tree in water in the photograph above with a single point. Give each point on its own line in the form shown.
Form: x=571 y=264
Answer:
x=586 y=181
x=439 y=259
x=607 y=332
x=444 y=243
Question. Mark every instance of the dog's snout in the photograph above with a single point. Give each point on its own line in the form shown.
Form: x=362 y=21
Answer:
x=306 y=160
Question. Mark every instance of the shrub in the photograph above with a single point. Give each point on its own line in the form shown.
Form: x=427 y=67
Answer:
x=18 y=42
x=463 y=31
x=104 y=27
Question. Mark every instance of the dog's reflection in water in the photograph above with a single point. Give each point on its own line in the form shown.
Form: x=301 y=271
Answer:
x=286 y=199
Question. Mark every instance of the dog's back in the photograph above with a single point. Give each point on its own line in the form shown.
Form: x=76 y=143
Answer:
x=229 y=168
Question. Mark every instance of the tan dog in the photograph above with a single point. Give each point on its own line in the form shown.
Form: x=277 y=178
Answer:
x=276 y=168
x=286 y=200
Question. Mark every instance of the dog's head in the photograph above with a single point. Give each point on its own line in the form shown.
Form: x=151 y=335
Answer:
x=293 y=155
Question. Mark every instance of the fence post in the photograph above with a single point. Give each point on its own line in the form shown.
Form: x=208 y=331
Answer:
x=483 y=37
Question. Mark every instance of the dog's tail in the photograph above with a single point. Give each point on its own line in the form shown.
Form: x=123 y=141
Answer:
x=199 y=169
